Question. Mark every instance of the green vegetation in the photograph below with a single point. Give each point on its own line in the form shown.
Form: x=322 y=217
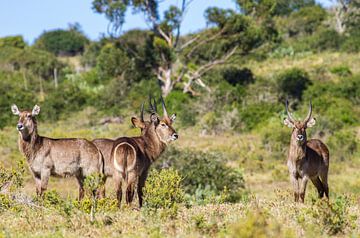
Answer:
x=226 y=175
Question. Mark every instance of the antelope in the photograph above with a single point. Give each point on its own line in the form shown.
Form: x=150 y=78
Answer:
x=132 y=156
x=105 y=146
x=307 y=159
x=55 y=157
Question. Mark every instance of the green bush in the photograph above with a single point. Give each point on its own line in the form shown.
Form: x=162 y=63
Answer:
x=342 y=71
x=326 y=39
x=236 y=76
x=351 y=43
x=62 y=42
x=306 y=20
x=346 y=143
x=253 y=115
x=68 y=98
x=111 y=62
x=206 y=171
x=293 y=82
x=333 y=216
x=163 y=190
x=12 y=41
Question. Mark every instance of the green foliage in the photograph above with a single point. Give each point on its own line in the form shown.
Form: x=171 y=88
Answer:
x=325 y=39
x=67 y=99
x=12 y=179
x=236 y=76
x=334 y=216
x=351 y=43
x=253 y=115
x=91 y=52
x=207 y=172
x=12 y=41
x=62 y=42
x=346 y=144
x=260 y=225
x=179 y=103
x=266 y=8
x=293 y=82
x=111 y=62
x=342 y=71
x=163 y=190
x=306 y=20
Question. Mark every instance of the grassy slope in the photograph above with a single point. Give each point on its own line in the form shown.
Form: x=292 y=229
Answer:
x=267 y=180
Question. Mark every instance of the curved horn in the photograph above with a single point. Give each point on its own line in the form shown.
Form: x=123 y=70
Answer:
x=142 y=112
x=290 y=117
x=152 y=106
x=164 y=107
x=309 y=113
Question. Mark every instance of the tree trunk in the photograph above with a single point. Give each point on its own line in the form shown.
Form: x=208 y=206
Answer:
x=55 y=77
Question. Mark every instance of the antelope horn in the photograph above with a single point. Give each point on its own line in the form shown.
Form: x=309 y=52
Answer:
x=152 y=106
x=164 y=107
x=309 y=113
x=290 y=117
x=142 y=112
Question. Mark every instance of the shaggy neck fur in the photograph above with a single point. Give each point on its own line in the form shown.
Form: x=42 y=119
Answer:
x=154 y=146
x=297 y=151
x=29 y=145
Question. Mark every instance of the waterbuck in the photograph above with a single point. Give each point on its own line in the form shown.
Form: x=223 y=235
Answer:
x=307 y=159
x=105 y=146
x=132 y=156
x=56 y=157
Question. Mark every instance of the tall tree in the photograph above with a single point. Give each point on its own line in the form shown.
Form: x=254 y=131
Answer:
x=347 y=15
x=171 y=65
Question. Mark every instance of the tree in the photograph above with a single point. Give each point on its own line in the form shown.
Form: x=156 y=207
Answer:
x=63 y=42
x=170 y=65
x=266 y=8
x=347 y=15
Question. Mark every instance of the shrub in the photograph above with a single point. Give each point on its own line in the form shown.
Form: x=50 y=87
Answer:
x=346 y=143
x=236 y=76
x=254 y=114
x=12 y=41
x=66 y=99
x=351 y=43
x=62 y=42
x=259 y=225
x=12 y=179
x=326 y=39
x=293 y=82
x=342 y=71
x=206 y=171
x=306 y=20
x=163 y=190
x=111 y=62
x=333 y=216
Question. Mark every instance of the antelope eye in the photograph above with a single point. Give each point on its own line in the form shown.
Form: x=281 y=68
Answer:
x=163 y=124
x=28 y=115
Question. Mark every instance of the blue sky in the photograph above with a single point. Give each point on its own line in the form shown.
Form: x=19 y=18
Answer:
x=31 y=17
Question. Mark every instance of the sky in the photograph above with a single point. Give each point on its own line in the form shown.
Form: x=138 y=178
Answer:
x=30 y=18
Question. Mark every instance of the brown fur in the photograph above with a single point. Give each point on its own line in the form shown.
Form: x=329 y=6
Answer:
x=132 y=156
x=55 y=157
x=307 y=159
x=106 y=145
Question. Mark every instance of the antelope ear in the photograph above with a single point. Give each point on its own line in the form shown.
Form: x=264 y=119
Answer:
x=137 y=123
x=172 y=117
x=311 y=122
x=154 y=118
x=288 y=123
x=36 y=110
x=15 y=110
